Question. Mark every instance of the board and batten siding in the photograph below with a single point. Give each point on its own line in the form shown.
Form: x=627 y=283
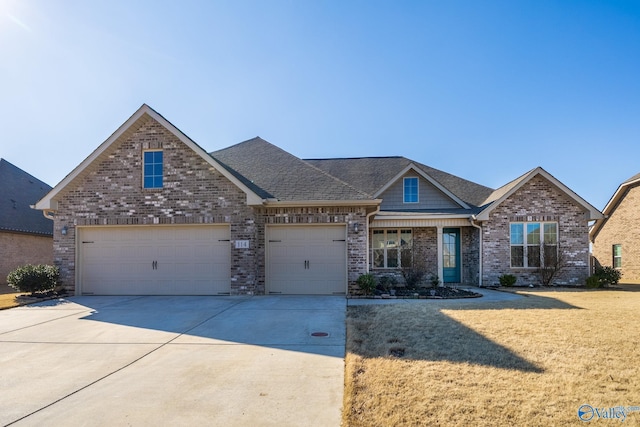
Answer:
x=429 y=196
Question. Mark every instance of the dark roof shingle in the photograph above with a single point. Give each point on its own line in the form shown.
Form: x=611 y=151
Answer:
x=19 y=190
x=274 y=173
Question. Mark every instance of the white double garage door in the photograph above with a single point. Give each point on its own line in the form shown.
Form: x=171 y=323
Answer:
x=196 y=260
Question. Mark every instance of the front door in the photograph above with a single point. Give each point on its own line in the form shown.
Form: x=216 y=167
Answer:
x=451 y=254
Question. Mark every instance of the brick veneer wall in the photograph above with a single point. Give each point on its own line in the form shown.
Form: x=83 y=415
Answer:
x=537 y=200
x=17 y=249
x=193 y=193
x=470 y=252
x=622 y=228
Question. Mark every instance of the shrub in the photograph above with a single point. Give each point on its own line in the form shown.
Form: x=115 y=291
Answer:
x=367 y=283
x=412 y=276
x=604 y=276
x=34 y=278
x=435 y=280
x=593 y=282
x=507 y=280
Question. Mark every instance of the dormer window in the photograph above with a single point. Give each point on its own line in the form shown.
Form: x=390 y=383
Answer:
x=411 y=190
x=153 y=162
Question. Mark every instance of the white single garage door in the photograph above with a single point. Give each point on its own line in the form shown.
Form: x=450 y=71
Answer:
x=305 y=259
x=155 y=260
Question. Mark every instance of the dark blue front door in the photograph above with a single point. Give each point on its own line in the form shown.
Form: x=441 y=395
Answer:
x=451 y=255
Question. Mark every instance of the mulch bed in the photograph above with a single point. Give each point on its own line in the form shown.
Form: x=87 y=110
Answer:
x=441 y=292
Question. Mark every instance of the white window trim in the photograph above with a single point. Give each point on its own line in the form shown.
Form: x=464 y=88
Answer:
x=404 y=188
x=525 y=258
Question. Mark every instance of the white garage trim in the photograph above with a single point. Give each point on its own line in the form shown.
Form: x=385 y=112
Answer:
x=306 y=259
x=153 y=260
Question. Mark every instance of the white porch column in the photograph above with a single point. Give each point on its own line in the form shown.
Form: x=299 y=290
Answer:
x=440 y=255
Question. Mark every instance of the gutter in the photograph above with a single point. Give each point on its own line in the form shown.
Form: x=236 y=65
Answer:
x=472 y=221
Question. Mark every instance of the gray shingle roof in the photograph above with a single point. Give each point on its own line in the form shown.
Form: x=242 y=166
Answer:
x=371 y=173
x=19 y=190
x=273 y=173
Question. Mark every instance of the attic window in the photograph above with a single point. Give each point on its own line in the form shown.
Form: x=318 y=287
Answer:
x=153 y=161
x=411 y=190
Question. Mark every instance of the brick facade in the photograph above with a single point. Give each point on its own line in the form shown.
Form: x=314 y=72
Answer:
x=537 y=200
x=18 y=249
x=622 y=228
x=193 y=193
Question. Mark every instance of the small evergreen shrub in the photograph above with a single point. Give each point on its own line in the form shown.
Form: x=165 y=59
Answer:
x=593 y=282
x=507 y=280
x=34 y=278
x=604 y=276
x=367 y=283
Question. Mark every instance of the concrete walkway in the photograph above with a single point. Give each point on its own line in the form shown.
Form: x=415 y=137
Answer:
x=179 y=361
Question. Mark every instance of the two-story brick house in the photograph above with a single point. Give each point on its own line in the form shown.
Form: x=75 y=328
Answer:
x=151 y=212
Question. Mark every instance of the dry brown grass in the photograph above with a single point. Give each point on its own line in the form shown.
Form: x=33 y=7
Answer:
x=9 y=300
x=532 y=362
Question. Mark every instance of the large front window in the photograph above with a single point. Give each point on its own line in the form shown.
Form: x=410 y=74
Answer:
x=534 y=244
x=392 y=248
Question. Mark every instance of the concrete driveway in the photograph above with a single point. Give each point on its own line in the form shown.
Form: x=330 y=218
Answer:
x=173 y=361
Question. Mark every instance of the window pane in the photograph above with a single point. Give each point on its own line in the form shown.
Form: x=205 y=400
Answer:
x=411 y=190
x=617 y=250
x=517 y=256
x=550 y=234
x=406 y=245
x=378 y=258
x=517 y=234
x=157 y=169
x=157 y=156
x=392 y=258
x=148 y=157
x=533 y=233
x=392 y=239
x=550 y=255
x=148 y=182
x=533 y=256
x=157 y=182
x=378 y=239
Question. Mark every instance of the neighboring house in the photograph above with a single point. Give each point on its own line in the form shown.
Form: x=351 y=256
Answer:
x=616 y=239
x=26 y=236
x=151 y=212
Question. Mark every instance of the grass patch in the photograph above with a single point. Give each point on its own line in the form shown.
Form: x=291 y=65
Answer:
x=530 y=362
x=9 y=300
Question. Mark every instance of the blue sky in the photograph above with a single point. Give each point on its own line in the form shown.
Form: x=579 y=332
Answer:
x=486 y=90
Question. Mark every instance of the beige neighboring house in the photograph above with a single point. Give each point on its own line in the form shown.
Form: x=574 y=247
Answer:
x=26 y=236
x=616 y=239
x=150 y=212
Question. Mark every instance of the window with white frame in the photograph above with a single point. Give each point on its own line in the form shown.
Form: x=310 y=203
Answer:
x=534 y=244
x=392 y=248
x=617 y=256
x=411 y=190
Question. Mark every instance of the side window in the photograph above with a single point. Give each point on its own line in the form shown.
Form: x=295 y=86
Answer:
x=617 y=256
x=152 y=166
x=411 y=190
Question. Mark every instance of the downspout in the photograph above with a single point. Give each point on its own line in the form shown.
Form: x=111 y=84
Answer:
x=367 y=231
x=472 y=220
